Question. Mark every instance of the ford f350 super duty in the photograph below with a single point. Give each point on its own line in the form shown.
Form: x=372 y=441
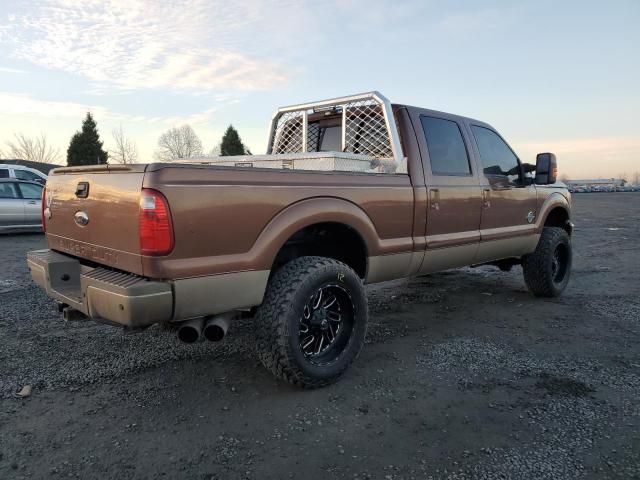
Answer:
x=353 y=190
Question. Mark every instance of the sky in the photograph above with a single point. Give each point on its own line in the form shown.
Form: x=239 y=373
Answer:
x=550 y=76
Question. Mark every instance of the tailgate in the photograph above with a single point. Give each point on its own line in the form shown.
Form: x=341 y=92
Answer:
x=93 y=214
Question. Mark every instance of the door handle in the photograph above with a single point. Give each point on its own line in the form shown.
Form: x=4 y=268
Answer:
x=434 y=199
x=32 y=202
x=486 y=198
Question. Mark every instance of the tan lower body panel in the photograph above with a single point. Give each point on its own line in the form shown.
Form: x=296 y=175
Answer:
x=506 y=248
x=199 y=296
x=133 y=301
x=100 y=293
x=439 y=259
x=388 y=267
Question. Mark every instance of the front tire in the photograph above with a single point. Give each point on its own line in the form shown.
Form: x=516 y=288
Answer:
x=547 y=269
x=312 y=323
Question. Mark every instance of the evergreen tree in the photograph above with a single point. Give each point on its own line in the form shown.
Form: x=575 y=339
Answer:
x=85 y=147
x=231 y=143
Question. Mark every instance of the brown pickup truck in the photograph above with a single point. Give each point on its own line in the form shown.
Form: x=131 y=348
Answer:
x=353 y=190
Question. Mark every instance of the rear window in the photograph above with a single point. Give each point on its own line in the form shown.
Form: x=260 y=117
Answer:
x=330 y=139
x=446 y=147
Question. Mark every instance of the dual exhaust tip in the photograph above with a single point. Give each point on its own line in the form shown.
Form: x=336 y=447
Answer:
x=213 y=329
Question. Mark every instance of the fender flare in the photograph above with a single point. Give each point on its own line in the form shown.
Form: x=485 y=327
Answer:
x=299 y=215
x=554 y=200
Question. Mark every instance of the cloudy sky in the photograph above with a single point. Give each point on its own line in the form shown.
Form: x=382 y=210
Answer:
x=551 y=76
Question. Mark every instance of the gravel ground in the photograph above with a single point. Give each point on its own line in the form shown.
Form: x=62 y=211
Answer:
x=465 y=375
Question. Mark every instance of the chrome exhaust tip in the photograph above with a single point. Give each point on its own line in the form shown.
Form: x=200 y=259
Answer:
x=215 y=328
x=190 y=331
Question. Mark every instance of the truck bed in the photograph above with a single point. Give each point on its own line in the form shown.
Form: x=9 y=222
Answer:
x=220 y=214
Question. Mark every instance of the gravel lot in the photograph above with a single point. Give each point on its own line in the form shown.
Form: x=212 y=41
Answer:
x=465 y=375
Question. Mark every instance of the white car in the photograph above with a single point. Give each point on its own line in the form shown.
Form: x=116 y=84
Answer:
x=22 y=173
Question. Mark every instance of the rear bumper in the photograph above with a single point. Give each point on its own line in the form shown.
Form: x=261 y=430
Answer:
x=100 y=293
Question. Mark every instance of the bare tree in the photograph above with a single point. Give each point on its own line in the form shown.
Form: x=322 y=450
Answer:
x=178 y=142
x=215 y=151
x=36 y=149
x=125 y=150
x=636 y=178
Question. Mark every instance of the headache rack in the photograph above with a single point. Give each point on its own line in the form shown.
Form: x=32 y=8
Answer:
x=356 y=133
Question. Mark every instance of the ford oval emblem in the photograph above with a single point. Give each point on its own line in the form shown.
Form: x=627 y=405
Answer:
x=81 y=218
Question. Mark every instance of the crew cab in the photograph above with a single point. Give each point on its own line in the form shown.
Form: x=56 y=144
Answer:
x=352 y=190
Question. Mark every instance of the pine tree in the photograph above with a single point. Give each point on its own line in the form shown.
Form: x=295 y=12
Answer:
x=232 y=144
x=85 y=147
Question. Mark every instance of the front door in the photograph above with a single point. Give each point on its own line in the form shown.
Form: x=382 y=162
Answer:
x=508 y=202
x=454 y=199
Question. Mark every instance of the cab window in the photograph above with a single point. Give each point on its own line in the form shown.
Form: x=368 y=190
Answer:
x=4 y=173
x=447 y=151
x=497 y=158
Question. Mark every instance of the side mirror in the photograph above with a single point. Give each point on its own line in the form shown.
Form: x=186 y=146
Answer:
x=546 y=168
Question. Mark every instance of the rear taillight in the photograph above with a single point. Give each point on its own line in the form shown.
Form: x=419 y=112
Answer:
x=43 y=206
x=156 y=230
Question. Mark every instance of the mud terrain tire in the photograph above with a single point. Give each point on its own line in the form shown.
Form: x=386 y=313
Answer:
x=311 y=297
x=547 y=269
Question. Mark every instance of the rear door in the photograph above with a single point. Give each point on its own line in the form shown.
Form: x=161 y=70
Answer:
x=32 y=202
x=509 y=203
x=11 y=205
x=453 y=191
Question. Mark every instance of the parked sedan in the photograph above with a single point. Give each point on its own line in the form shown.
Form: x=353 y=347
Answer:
x=20 y=204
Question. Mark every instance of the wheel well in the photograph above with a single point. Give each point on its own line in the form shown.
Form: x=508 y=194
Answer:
x=332 y=240
x=558 y=217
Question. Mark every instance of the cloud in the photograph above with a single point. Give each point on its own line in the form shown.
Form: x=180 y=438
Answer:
x=187 y=45
x=21 y=104
x=11 y=70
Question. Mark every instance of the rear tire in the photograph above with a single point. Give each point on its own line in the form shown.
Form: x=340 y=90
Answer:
x=312 y=323
x=547 y=269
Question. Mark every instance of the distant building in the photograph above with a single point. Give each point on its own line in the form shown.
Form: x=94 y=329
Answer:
x=43 y=167
x=597 y=182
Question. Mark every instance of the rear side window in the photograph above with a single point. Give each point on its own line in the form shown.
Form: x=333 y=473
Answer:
x=26 y=175
x=4 y=173
x=31 y=191
x=8 y=190
x=497 y=157
x=447 y=151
